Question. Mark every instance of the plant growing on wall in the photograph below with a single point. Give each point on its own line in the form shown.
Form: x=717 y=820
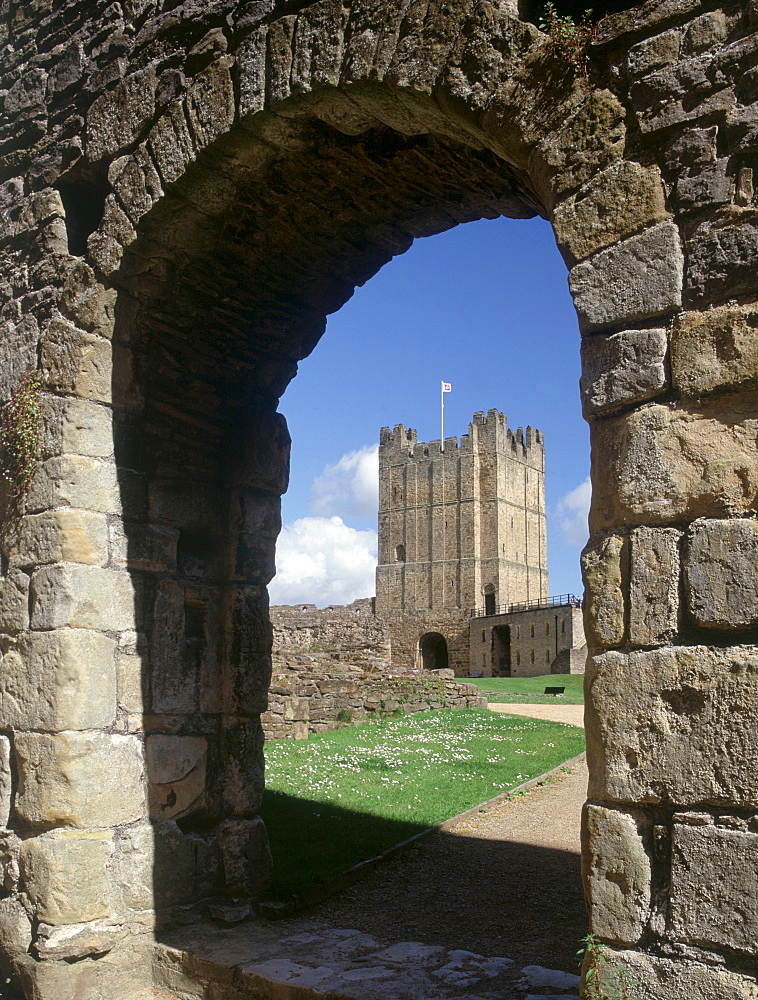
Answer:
x=569 y=40
x=602 y=980
x=21 y=435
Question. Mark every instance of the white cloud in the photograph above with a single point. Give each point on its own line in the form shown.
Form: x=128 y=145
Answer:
x=572 y=511
x=320 y=560
x=350 y=487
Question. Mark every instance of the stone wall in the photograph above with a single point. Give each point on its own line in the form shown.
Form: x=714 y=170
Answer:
x=310 y=694
x=455 y=524
x=351 y=631
x=187 y=191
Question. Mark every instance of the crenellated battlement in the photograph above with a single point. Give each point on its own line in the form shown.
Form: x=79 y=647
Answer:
x=486 y=433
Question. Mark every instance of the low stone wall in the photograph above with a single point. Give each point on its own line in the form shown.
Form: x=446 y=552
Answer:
x=308 y=694
x=350 y=632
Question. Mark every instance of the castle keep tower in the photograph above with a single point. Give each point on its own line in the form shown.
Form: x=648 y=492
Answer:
x=459 y=528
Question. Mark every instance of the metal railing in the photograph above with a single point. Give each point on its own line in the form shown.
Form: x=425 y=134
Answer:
x=549 y=602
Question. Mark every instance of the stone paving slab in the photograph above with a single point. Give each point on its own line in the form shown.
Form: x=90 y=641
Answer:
x=302 y=958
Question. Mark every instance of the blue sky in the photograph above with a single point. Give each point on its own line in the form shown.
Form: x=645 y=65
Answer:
x=484 y=306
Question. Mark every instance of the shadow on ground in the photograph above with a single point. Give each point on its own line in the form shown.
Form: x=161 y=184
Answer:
x=492 y=897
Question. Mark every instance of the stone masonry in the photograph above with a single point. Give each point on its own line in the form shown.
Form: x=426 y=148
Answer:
x=459 y=527
x=187 y=190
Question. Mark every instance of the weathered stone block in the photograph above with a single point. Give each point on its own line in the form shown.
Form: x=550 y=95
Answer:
x=634 y=280
x=75 y=481
x=617 y=872
x=654 y=586
x=82 y=597
x=76 y=941
x=131 y=671
x=246 y=857
x=713 y=900
x=674 y=725
x=85 y=301
x=242 y=775
x=148 y=547
x=15 y=929
x=64 y=874
x=674 y=979
x=622 y=199
x=708 y=186
x=720 y=573
x=6 y=781
x=663 y=464
x=723 y=264
x=58 y=681
x=77 y=536
x=296 y=709
x=176 y=770
x=76 y=426
x=116 y=118
x=624 y=368
x=652 y=53
x=716 y=349
x=603 y=590
x=79 y=779
x=14 y=601
x=77 y=362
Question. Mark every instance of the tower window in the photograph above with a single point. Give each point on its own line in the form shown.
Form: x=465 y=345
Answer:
x=547 y=628
x=400 y=553
x=532 y=631
x=532 y=656
x=547 y=656
x=563 y=628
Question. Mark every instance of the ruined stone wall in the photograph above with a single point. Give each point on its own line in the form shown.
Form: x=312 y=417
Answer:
x=311 y=694
x=351 y=632
x=187 y=190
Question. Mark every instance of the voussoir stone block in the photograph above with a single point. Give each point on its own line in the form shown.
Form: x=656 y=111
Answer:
x=723 y=264
x=603 y=591
x=714 y=350
x=660 y=464
x=64 y=875
x=82 y=597
x=637 y=279
x=674 y=725
x=669 y=979
x=622 y=199
x=654 y=586
x=624 y=368
x=713 y=900
x=62 y=680
x=720 y=573
x=79 y=779
x=617 y=872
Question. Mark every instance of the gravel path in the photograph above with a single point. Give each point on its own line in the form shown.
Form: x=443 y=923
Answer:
x=572 y=714
x=503 y=882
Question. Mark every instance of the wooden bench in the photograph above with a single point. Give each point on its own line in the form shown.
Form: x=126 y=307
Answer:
x=554 y=690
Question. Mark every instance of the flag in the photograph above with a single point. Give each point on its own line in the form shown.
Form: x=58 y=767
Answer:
x=447 y=386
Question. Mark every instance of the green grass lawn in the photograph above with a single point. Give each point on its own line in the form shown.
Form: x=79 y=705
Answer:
x=532 y=689
x=346 y=796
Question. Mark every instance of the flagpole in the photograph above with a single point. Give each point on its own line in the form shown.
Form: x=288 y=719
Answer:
x=442 y=416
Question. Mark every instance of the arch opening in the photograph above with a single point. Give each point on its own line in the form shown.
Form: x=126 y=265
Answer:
x=433 y=651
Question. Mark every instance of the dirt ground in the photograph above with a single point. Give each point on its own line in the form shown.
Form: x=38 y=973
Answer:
x=503 y=882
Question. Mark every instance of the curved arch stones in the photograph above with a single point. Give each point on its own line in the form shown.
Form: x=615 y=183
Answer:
x=187 y=191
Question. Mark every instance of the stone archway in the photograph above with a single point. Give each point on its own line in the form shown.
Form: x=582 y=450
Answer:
x=254 y=166
x=432 y=650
